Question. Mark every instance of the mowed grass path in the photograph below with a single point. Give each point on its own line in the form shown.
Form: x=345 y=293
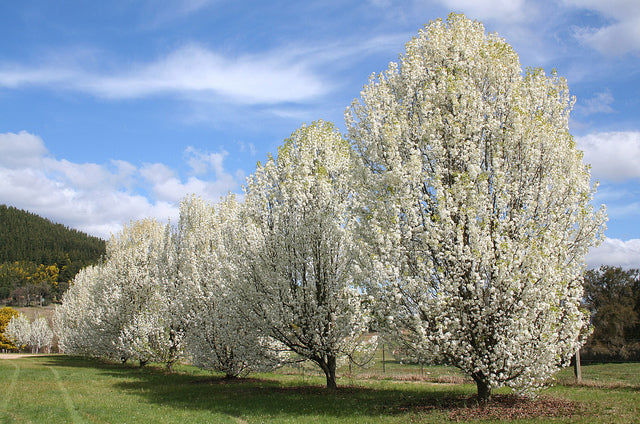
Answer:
x=62 y=389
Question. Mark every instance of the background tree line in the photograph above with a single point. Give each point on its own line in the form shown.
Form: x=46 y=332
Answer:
x=612 y=295
x=39 y=258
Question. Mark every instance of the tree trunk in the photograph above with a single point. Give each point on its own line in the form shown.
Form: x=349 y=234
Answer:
x=484 y=390
x=329 y=368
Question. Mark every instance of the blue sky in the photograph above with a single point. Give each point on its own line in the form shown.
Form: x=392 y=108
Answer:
x=112 y=111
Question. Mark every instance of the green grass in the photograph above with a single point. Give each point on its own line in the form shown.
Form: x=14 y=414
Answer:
x=52 y=388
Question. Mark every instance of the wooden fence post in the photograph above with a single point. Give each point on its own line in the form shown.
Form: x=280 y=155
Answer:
x=577 y=367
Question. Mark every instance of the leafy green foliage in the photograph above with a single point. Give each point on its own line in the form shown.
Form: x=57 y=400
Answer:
x=612 y=295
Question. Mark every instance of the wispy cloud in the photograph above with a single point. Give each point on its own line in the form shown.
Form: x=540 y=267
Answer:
x=618 y=38
x=502 y=10
x=160 y=12
x=272 y=77
x=344 y=52
x=599 y=103
x=202 y=163
x=98 y=198
x=248 y=147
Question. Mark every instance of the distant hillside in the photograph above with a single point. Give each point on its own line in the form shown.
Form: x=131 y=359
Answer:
x=34 y=249
x=25 y=236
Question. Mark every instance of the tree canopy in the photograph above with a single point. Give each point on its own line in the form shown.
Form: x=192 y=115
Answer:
x=475 y=205
x=25 y=236
x=300 y=262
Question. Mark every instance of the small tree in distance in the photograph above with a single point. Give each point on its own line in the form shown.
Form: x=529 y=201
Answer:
x=36 y=335
x=41 y=335
x=19 y=331
x=475 y=206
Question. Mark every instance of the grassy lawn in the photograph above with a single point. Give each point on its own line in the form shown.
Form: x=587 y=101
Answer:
x=52 y=388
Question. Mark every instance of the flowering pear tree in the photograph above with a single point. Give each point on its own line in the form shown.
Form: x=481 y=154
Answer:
x=145 y=276
x=41 y=335
x=19 y=330
x=299 y=262
x=475 y=206
x=128 y=289
x=218 y=336
x=76 y=318
x=121 y=309
x=164 y=321
x=163 y=290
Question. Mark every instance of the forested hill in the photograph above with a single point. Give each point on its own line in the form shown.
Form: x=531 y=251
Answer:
x=25 y=236
x=38 y=258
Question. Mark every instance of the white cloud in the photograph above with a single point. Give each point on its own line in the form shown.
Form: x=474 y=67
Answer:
x=249 y=79
x=167 y=186
x=614 y=156
x=269 y=78
x=615 y=252
x=157 y=173
x=620 y=37
x=202 y=162
x=99 y=198
x=172 y=189
x=22 y=149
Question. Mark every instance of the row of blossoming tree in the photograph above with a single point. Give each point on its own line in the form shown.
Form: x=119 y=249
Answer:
x=455 y=213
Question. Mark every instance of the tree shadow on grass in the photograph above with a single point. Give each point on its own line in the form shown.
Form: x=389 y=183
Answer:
x=272 y=398
x=277 y=397
x=266 y=397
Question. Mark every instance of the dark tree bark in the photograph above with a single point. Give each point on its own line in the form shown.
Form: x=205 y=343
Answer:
x=328 y=365
x=484 y=389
